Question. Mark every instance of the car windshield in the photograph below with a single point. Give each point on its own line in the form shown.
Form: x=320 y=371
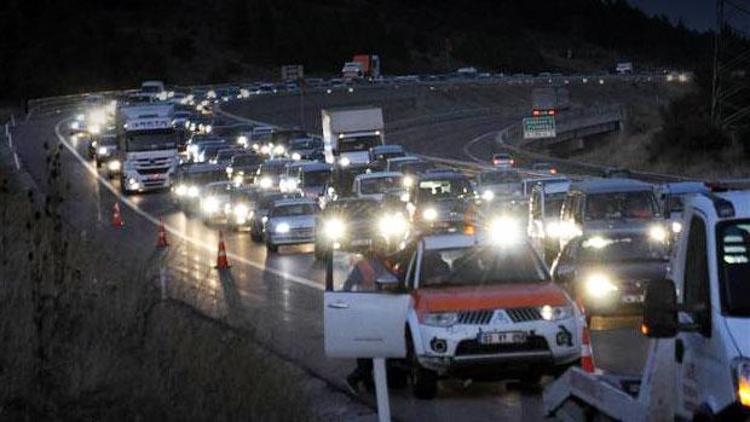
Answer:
x=621 y=249
x=203 y=177
x=354 y=209
x=369 y=186
x=225 y=155
x=359 y=143
x=496 y=177
x=553 y=205
x=293 y=210
x=316 y=178
x=614 y=205
x=734 y=266
x=272 y=169
x=246 y=160
x=444 y=188
x=481 y=266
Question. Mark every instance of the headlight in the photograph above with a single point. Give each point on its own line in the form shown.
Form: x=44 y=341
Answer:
x=238 y=179
x=101 y=150
x=392 y=225
x=488 y=195
x=242 y=140
x=114 y=165
x=430 y=214
x=408 y=181
x=192 y=191
x=181 y=190
x=266 y=182
x=440 y=319
x=556 y=313
x=344 y=162
x=505 y=231
x=229 y=170
x=282 y=228
x=296 y=156
x=210 y=205
x=279 y=150
x=334 y=229
x=75 y=125
x=256 y=147
x=241 y=210
x=95 y=129
x=599 y=286
x=657 y=233
x=404 y=197
x=742 y=371
x=265 y=150
x=676 y=227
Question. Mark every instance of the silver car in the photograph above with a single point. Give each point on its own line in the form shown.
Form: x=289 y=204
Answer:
x=291 y=222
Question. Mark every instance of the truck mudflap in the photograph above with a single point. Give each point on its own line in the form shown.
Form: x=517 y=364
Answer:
x=578 y=395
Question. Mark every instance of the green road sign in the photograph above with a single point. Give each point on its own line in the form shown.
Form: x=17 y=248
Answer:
x=539 y=127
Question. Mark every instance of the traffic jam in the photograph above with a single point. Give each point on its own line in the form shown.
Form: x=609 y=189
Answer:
x=490 y=273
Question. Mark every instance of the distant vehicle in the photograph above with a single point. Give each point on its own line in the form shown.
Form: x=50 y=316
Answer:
x=242 y=203
x=307 y=148
x=263 y=205
x=624 y=68
x=291 y=222
x=215 y=202
x=310 y=178
x=528 y=184
x=597 y=205
x=147 y=147
x=379 y=154
x=548 y=101
x=673 y=197
x=617 y=173
x=242 y=168
x=369 y=65
x=190 y=182
x=270 y=172
x=442 y=200
x=352 y=71
x=107 y=156
x=545 y=204
x=503 y=160
x=154 y=89
x=467 y=72
x=498 y=184
x=544 y=167
x=349 y=133
x=608 y=272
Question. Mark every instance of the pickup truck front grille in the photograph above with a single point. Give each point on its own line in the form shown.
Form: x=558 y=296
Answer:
x=154 y=170
x=524 y=314
x=475 y=317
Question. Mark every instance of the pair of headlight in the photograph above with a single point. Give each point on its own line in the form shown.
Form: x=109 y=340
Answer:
x=185 y=190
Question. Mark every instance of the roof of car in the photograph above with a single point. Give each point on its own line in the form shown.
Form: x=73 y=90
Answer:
x=407 y=158
x=311 y=166
x=386 y=148
x=610 y=185
x=378 y=175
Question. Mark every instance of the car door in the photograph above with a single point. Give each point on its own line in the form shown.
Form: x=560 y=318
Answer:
x=365 y=323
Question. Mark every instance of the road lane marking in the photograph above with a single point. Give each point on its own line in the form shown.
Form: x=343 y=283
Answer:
x=155 y=221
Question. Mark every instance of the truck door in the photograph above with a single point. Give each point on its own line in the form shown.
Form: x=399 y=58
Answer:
x=698 y=355
x=364 y=310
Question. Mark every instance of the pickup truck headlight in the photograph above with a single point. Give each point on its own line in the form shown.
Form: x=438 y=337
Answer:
x=266 y=182
x=599 y=286
x=344 y=161
x=296 y=156
x=210 y=205
x=556 y=313
x=282 y=228
x=488 y=195
x=334 y=229
x=742 y=373
x=101 y=150
x=440 y=319
x=114 y=165
x=676 y=227
x=430 y=214
x=658 y=233
x=181 y=190
x=505 y=231
x=192 y=191
x=392 y=225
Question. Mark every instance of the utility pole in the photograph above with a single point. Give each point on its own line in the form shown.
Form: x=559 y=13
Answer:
x=716 y=81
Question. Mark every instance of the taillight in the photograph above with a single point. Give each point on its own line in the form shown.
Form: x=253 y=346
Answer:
x=535 y=112
x=550 y=112
x=512 y=162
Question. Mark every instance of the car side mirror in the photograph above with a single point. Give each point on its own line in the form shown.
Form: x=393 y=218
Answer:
x=660 y=310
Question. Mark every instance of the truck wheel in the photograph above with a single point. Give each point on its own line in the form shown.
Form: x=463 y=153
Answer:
x=272 y=248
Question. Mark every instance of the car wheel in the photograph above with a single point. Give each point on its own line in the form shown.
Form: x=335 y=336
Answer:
x=272 y=248
x=424 y=382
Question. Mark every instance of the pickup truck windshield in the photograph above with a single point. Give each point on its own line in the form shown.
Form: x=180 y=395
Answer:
x=734 y=266
x=359 y=143
x=621 y=249
x=151 y=140
x=481 y=266
x=316 y=178
x=615 y=205
x=447 y=188
x=380 y=185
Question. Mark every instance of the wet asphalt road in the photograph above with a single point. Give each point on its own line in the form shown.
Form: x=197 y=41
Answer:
x=279 y=297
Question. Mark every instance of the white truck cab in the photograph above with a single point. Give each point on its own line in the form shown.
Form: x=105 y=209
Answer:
x=699 y=362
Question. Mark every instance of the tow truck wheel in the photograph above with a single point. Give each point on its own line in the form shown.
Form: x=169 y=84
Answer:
x=424 y=382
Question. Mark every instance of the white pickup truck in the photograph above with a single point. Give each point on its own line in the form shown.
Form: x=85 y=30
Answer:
x=699 y=319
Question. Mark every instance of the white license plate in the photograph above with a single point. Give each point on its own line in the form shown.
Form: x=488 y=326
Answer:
x=510 y=337
x=361 y=242
x=632 y=298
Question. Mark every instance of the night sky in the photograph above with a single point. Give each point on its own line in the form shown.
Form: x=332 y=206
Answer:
x=696 y=14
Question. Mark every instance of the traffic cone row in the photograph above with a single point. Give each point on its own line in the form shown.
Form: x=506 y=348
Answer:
x=221 y=259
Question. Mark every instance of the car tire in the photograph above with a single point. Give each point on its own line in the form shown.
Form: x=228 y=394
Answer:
x=272 y=248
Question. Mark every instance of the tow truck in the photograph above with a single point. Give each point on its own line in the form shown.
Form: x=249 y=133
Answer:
x=697 y=318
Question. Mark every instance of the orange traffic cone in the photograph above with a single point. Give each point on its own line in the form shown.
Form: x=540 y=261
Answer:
x=221 y=259
x=116 y=216
x=162 y=242
x=587 y=354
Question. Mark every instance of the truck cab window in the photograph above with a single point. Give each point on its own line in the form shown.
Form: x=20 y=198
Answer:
x=696 y=273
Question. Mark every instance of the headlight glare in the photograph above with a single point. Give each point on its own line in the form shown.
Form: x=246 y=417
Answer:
x=599 y=286
x=556 y=313
x=334 y=229
x=430 y=214
x=440 y=319
x=282 y=228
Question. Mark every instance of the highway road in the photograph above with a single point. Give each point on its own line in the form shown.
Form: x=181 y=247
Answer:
x=278 y=298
